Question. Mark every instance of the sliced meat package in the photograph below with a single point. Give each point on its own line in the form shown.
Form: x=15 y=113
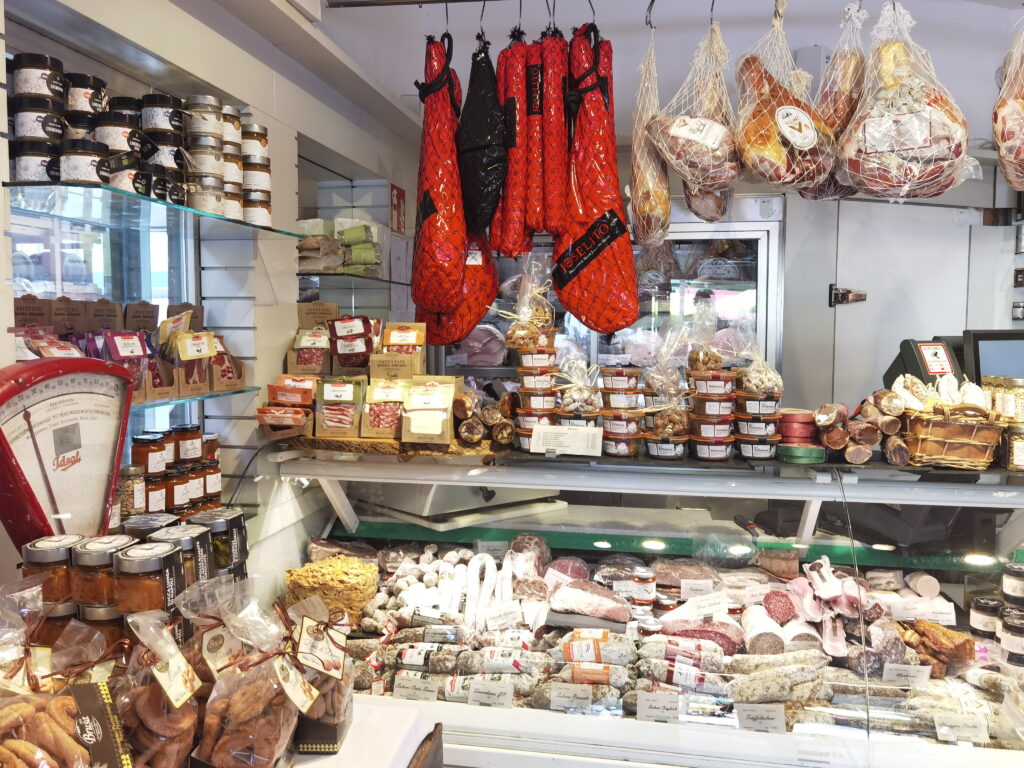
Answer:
x=554 y=78
x=908 y=138
x=648 y=183
x=534 y=138
x=440 y=249
x=513 y=239
x=839 y=93
x=483 y=158
x=479 y=289
x=781 y=137
x=1008 y=116
x=594 y=274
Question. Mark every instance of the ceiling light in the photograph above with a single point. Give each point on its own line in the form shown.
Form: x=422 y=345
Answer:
x=884 y=547
x=739 y=549
x=603 y=544
x=654 y=544
x=977 y=558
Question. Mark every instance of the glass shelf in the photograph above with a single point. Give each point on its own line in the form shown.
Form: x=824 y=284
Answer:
x=197 y=398
x=108 y=208
x=334 y=276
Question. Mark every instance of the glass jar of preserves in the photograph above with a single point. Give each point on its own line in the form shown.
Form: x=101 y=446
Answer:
x=197 y=482
x=211 y=447
x=179 y=491
x=147 y=577
x=195 y=544
x=1015 y=390
x=57 y=617
x=1013 y=447
x=984 y=616
x=649 y=627
x=156 y=493
x=1013 y=584
x=104 y=619
x=141 y=526
x=149 y=451
x=168 y=437
x=229 y=540
x=1012 y=640
x=211 y=479
x=92 y=568
x=131 y=486
x=188 y=443
x=645 y=586
x=50 y=556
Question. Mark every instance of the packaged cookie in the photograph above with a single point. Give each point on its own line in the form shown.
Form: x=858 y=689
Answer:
x=580 y=394
x=667 y=413
x=534 y=316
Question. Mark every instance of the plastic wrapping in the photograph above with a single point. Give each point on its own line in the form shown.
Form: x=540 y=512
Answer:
x=1008 y=116
x=671 y=418
x=483 y=159
x=781 y=137
x=202 y=604
x=534 y=138
x=703 y=355
x=758 y=377
x=512 y=239
x=839 y=93
x=533 y=313
x=908 y=138
x=479 y=288
x=648 y=186
x=594 y=275
x=439 y=253
x=694 y=132
x=555 y=74
x=579 y=392
x=327 y=665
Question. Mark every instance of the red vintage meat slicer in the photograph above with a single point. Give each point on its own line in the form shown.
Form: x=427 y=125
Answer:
x=62 y=428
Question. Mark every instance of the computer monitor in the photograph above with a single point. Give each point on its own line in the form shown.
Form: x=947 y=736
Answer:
x=993 y=353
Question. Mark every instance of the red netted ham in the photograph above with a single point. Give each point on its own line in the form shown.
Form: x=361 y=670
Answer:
x=514 y=238
x=440 y=251
x=594 y=275
x=554 y=77
x=479 y=289
x=534 y=138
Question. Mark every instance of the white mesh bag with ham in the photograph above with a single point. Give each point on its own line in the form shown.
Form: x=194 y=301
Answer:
x=648 y=185
x=908 y=138
x=1008 y=116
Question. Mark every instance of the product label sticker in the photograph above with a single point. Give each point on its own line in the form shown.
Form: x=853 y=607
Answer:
x=797 y=126
x=590 y=633
x=684 y=675
x=490 y=693
x=313 y=340
x=342 y=347
x=695 y=588
x=936 y=359
x=348 y=327
x=583 y=250
x=659 y=707
x=322 y=648
x=906 y=675
x=437 y=634
x=339 y=392
x=502 y=661
x=423 y=617
x=401 y=338
x=952 y=727
x=128 y=345
x=766 y=718
x=589 y=673
x=177 y=678
x=624 y=588
x=897 y=133
x=582 y=650
x=566 y=697
x=98 y=674
x=415 y=689
x=699 y=129
x=474 y=258
x=219 y=649
x=755 y=593
x=415 y=658
x=378 y=687
x=503 y=617
x=297 y=688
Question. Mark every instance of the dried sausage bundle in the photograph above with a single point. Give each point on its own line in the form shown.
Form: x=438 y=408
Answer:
x=781 y=137
x=1008 y=116
x=694 y=132
x=839 y=93
x=908 y=138
x=648 y=186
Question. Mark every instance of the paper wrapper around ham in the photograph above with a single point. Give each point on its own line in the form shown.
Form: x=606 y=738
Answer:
x=479 y=289
x=594 y=275
x=440 y=251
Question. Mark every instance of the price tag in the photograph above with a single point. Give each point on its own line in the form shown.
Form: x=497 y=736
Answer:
x=658 y=707
x=415 y=689
x=951 y=727
x=219 y=648
x=129 y=345
x=342 y=392
x=906 y=675
x=695 y=588
x=377 y=687
x=625 y=588
x=555 y=579
x=577 y=441
x=297 y=688
x=490 y=693
x=177 y=678
x=705 y=605
x=930 y=609
x=570 y=696
x=766 y=718
x=755 y=593
x=495 y=549
x=322 y=648
x=503 y=617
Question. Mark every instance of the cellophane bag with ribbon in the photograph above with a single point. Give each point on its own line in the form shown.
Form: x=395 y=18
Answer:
x=22 y=628
x=578 y=387
x=648 y=185
x=1008 y=116
x=155 y=698
x=212 y=644
x=670 y=414
x=782 y=139
x=700 y=335
x=83 y=655
x=908 y=138
x=839 y=92
x=534 y=315
x=757 y=376
x=250 y=716
x=694 y=132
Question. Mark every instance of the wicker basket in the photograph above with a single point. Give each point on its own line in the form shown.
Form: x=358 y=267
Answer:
x=958 y=437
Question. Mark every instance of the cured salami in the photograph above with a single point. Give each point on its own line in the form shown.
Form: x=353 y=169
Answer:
x=594 y=275
x=440 y=248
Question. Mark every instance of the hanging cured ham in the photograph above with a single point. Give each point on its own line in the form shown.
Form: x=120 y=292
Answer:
x=440 y=249
x=594 y=275
x=555 y=65
x=479 y=289
x=514 y=236
x=534 y=139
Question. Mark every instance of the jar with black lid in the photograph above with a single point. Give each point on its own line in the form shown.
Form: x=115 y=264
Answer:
x=188 y=440
x=162 y=112
x=229 y=539
x=984 y=616
x=85 y=93
x=195 y=544
x=127 y=175
x=35 y=74
x=37 y=161
x=148 y=451
x=1006 y=610
x=147 y=577
x=125 y=104
x=50 y=556
x=164 y=149
x=175 y=178
x=1013 y=584
x=140 y=526
x=179 y=489
x=80 y=125
x=84 y=162
x=118 y=130
x=1013 y=633
x=38 y=117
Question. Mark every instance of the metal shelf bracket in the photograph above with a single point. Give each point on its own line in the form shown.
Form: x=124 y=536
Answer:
x=339 y=502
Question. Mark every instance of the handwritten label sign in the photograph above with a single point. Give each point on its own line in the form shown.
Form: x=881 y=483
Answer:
x=490 y=693
x=415 y=689
x=906 y=675
x=930 y=609
x=690 y=588
x=570 y=696
x=705 y=605
x=659 y=707
x=953 y=727
x=766 y=718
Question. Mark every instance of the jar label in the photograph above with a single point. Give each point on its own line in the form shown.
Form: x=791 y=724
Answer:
x=34 y=168
x=1017 y=453
x=1013 y=586
x=156 y=500
x=213 y=483
x=1012 y=643
x=257 y=180
x=139 y=497
x=761 y=406
x=644 y=592
x=983 y=622
x=196 y=489
x=669 y=450
x=38 y=125
x=85 y=168
x=39 y=82
x=190 y=449
x=257 y=147
x=621 y=401
x=155 y=463
x=182 y=496
x=715 y=430
x=713 y=408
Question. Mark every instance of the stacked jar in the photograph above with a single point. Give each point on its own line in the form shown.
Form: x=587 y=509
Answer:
x=162 y=119
x=179 y=472
x=538 y=398
x=231 y=143
x=256 y=208
x=711 y=419
x=205 y=136
x=622 y=415
x=1010 y=627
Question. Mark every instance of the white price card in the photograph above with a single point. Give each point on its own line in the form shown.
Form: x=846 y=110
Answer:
x=705 y=605
x=577 y=441
x=695 y=588
x=659 y=707
x=767 y=718
x=495 y=549
x=624 y=588
x=503 y=617
x=954 y=727
x=570 y=696
x=755 y=593
x=415 y=689
x=344 y=392
x=935 y=609
x=555 y=579
x=906 y=675
x=490 y=693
